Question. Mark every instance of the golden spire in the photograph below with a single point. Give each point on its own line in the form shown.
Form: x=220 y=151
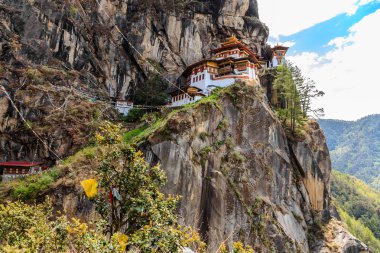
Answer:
x=231 y=40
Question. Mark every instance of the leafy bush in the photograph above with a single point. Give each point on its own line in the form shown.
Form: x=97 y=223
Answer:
x=152 y=91
x=134 y=115
x=137 y=207
x=34 y=228
x=203 y=136
x=109 y=133
x=237 y=247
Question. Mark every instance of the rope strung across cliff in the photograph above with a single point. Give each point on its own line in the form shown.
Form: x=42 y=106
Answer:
x=2 y=88
x=139 y=54
x=38 y=11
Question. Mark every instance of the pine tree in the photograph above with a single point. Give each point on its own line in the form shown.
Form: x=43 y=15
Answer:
x=289 y=109
x=307 y=91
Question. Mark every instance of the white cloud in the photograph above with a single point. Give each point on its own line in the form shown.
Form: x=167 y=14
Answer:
x=349 y=74
x=291 y=16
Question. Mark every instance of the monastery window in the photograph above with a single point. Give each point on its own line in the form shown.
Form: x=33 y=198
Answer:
x=203 y=76
x=196 y=79
x=193 y=79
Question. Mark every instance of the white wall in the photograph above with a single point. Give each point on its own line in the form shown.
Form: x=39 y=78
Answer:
x=186 y=100
x=10 y=177
x=223 y=82
x=275 y=63
x=124 y=109
x=200 y=84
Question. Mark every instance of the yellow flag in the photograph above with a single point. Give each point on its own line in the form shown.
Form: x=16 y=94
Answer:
x=90 y=187
x=123 y=241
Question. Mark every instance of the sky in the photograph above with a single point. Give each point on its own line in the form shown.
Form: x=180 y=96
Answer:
x=337 y=44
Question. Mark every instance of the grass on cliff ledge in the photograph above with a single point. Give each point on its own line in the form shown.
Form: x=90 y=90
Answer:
x=28 y=188
x=235 y=92
x=145 y=129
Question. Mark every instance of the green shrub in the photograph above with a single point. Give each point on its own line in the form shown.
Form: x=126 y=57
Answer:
x=34 y=228
x=73 y=11
x=218 y=144
x=205 y=151
x=89 y=153
x=237 y=157
x=30 y=187
x=134 y=115
x=203 y=136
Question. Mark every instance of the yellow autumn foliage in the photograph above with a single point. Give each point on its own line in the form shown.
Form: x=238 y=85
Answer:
x=121 y=240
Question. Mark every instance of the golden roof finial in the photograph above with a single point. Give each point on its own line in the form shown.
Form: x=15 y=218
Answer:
x=231 y=40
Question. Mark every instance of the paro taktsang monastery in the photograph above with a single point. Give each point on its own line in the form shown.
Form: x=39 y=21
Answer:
x=229 y=63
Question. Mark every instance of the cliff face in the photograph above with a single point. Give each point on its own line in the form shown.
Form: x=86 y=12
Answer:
x=239 y=175
x=57 y=117
x=241 y=178
x=81 y=37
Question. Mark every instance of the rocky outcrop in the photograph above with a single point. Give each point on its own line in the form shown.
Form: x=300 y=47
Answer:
x=242 y=178
x=53 y=119
x=337 y=239
x=82 y=35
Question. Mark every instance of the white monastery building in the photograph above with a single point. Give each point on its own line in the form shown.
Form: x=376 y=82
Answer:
x=229 y=63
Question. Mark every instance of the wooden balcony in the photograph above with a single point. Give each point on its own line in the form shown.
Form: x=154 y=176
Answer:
x=225 y=70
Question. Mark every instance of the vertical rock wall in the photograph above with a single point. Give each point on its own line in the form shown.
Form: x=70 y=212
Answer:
x=240 y=177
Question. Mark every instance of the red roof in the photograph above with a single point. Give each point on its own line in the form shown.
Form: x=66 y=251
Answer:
x=20 y=164
x=278 y=47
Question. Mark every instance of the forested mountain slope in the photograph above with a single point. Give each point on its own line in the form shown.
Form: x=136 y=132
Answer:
x=359 y=206
x=355 y=147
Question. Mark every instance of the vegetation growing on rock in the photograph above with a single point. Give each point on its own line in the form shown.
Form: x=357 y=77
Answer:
x=293 y=95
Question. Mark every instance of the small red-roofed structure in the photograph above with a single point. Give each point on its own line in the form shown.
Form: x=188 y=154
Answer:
x=14 y=169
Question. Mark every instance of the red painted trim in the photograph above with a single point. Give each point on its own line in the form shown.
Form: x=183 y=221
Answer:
x=20 y=164
x=227 y=77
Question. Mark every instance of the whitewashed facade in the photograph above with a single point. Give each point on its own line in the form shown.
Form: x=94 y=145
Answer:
x=231 y=62
x=123 y=107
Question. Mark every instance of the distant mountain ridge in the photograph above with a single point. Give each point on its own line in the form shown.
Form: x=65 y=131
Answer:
x=355 y=147
x=359 y=208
